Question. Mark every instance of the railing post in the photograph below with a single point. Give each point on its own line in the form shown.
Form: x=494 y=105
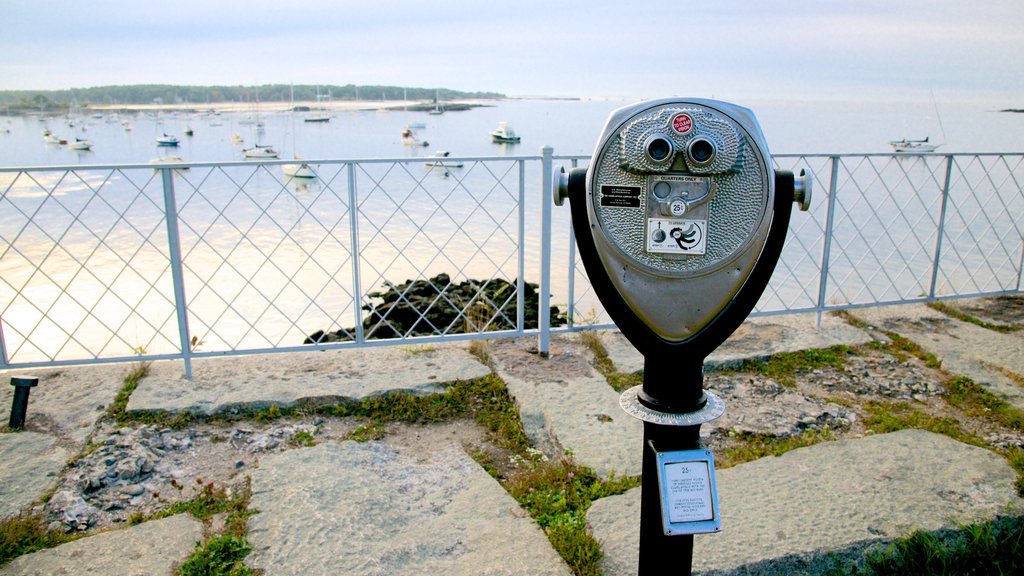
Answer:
x=177 y=277
x=521 y=242
x=942 y=227
x=544 y=305
x=353 y=227
x=3 y=347
x=826 y=250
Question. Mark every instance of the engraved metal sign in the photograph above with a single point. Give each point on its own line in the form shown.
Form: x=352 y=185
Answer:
x=689 y=496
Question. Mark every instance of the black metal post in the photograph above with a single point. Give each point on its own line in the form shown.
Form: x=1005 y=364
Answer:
x=675 y=385
x=22 y=385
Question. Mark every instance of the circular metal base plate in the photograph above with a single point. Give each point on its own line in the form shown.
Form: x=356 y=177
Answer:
x=629 y=401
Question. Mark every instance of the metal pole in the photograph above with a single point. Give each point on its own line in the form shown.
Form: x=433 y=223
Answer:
x=177 y=276
x=19 y=406
x=667 y=381
x=571 y=306
x=353 y=228
x=544 y=305
x=942 y=227
x=826 y=250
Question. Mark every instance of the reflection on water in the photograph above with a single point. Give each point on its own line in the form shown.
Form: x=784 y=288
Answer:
x=267 y=259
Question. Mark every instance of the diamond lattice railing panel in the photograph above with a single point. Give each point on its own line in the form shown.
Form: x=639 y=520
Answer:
x=268 y=261
x=439 y=249
x=267 y=258
x=884 y=228
x=982 y=237
x=84 y=266
x=797 y=277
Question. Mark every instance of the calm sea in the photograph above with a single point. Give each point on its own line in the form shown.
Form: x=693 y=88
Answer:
x=464 y=226
x=570 y=126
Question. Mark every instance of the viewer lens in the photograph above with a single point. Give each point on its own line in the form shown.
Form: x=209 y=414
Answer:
x=702 y=151
x=659 y=149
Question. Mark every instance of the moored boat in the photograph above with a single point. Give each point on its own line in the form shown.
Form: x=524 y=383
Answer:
x=318 y=116
x=166 y=140
x=300 y=170
x=504 y=133
x=905 y=145
x=259 y=151
x=409 y=138
x=440 y=161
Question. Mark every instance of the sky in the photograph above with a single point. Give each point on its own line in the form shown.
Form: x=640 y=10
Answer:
x=892 y=50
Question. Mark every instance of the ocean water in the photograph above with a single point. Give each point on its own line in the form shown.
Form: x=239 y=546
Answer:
x=265 y=266
x=569 y=126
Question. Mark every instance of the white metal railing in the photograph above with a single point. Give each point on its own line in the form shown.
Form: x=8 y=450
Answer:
x=113 y=263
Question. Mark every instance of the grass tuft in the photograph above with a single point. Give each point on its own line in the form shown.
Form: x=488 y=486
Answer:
x=221 y=555
x=973 y=399
x=964 y=317
x=785 y=366
x=557 y=496
x=995 y=547
x=753 y=446
x=27 y=533
x=884 y=417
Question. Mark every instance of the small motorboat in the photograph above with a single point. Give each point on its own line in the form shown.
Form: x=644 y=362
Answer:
x=504 y=133
x=80 y=144
x=300 y=170
x=51 y=138
x=236 y=138
x=166 y=140
x=439 y=161
x=318 y=116
x=259 y=151
x=409 y=138
x=170 y=159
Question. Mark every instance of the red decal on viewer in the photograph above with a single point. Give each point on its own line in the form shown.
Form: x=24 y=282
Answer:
x=682 y=123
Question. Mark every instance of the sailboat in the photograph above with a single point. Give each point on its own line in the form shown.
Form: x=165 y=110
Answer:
x=922 y=144
x=299 y=169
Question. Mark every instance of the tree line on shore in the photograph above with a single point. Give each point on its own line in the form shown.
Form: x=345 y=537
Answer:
x=58 y=100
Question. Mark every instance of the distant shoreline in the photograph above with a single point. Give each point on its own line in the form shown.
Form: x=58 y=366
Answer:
x=334 y=105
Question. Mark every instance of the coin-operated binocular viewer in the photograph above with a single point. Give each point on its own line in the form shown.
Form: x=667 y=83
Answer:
x=679 y=222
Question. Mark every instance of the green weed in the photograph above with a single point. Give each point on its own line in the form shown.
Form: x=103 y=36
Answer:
x=995 y=547
x=753 y=446
x=23 y=534
x=973 y=399
x=557 y=496
x=302 y=439
x=964 y=317
x=785 y=366
x=884 y=417
x=221 y=555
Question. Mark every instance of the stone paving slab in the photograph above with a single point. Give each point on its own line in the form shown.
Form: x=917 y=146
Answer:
x=963 y=348
x=258 y=382
x=149 y=549
x=756 y=338
x=827 y=497
x=368 y=509
x=567 y=405
x=68 y=401
x=31 y=465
